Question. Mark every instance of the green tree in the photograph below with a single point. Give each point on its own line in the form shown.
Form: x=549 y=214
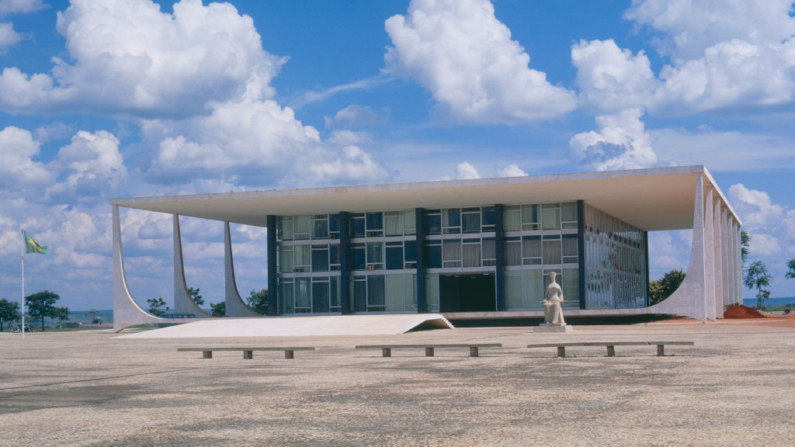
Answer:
x=42 y=305
x=664 y=287
x=258 y=301
x=93 y=314
x=757 y=277
x=791 y=266
x=9 y=312
x=219 y=309
x=745 y=241
x=61 y=314
x=194 y=293
x=156 y=306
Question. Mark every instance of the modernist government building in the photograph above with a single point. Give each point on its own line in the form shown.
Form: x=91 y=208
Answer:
x=465 y=248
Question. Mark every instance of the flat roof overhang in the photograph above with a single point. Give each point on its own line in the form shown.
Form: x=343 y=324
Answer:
x=654 y=199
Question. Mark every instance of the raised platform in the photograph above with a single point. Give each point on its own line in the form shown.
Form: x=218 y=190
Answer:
x=300 y=326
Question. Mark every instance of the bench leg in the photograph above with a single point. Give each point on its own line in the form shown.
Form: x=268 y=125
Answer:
x=386 y=352
x=611 y=351
x=248 y=355
x=428 y=352
x=207 y=354
x=288 y=354
x=473 y=351
x=660 y=350
x=561 y=351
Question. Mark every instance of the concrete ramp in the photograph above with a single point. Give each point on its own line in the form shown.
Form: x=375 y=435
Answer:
x=300 y=326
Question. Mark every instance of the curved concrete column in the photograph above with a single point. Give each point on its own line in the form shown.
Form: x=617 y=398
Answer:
x=126 y=312
x=235 y=306
x=183 y=303
x=709 y=253
x=726 y=251
x=690 y=299
x=718 y=252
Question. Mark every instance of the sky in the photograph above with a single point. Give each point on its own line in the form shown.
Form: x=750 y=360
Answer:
x=121 y=98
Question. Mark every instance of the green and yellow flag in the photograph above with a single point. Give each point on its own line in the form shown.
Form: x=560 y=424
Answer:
x=32 y=246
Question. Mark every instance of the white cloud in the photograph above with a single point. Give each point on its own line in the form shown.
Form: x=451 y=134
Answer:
x=764 y=244
x=466 y=171
x=20 y=6
x=8 y=37
x=130 y=58
x=18 y=171
x=511 y=171
x=621 y=143
x=356 y=115
x=93 y=166
x=464 y=56
x=668 y=250
x=53 y=131
x=355 y=165
x=756 y=209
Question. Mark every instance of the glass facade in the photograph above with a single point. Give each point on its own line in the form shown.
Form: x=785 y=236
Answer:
x=383 y=255
x=616 y=262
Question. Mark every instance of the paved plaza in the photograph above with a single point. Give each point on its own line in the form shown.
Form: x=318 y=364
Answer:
x=736 y=386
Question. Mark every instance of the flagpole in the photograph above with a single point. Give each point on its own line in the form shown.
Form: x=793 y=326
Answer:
x=23 y=283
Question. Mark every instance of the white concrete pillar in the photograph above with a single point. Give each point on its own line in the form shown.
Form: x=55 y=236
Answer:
x=738 y=257
x=709 y=254
x=718 y=259
x=183 y=303
x=235 y=306
x=726 y=251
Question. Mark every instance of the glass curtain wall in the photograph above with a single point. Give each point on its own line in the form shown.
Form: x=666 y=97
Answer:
x=615 y=262
x=539 y=239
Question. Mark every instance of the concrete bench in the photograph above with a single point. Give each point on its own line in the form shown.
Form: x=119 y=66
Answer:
x=611 y=345
x=386 y=350
x=248 y=353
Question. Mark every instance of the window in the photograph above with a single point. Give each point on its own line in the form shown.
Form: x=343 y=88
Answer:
x=471 y=250
x=489 y=252
x=320 y=261
x=285 y=259
x=375 y=224
x=375 y=256
x=552 y=250
x=513 y=251
x=530 y=221
x=451 y=221
x=410 y=254
x=334 y=294
x=511 y=220
x=531 y=250
x=433 y=250
x=570 y=242
x=487 y=219
x=320 y=227
x=287 y=295
x=568 y=214
x=357 y=225
x=334 y=257
x=550 y=215
x=410 y=222
x=284 y=229
x=376 y=296
x=571 y=285
x=359 y=258
x=302 y=295
x=513 y=290
x=320 y=295
x=432 y=292
x=433 y=222
x=394 y=223
x=359 y=293
x=451 y=253
x=302 y=258
x=334 y=226
x=470 y=218
x=394 y=255
x=303 y=227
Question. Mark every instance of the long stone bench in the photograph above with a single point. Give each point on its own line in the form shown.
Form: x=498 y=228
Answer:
x=386 y=350
x=611 y=345
x=248 y=353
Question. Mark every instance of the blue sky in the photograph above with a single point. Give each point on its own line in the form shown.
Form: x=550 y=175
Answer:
x=115 y=98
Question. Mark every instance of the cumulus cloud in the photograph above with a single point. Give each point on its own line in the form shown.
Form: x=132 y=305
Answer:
x=621 y=143
x=54 y=131
x=8 y=37
x=466 y=171
x=129 y=58
x=755 y=207
x=355 y=165
x=20 y=6
x=92 y=164
x=356 y=115
x=18 y=170
x=464 y=56
x=511 y=171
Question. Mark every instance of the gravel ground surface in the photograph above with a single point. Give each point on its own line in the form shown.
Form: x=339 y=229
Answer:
x=736 y=386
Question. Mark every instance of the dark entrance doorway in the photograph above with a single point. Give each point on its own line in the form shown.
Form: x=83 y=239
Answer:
x=472 y=292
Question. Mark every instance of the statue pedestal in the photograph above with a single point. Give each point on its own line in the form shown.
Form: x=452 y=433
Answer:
x=544 y=327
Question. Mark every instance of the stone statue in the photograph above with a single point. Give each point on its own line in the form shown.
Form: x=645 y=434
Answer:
x=553 y=312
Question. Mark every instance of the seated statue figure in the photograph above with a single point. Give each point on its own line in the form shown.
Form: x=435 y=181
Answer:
x=553 y=314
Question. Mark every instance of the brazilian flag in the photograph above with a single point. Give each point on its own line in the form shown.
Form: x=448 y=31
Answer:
x=32 y=246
